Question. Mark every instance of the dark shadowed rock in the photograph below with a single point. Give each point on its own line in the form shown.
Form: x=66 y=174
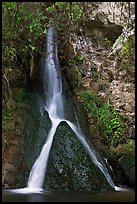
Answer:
x=23 y=137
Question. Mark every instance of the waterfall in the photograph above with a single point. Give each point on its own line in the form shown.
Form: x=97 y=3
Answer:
x=55 y=107
x=52 y=80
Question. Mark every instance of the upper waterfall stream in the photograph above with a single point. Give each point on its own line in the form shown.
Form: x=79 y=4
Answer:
x=55 y=107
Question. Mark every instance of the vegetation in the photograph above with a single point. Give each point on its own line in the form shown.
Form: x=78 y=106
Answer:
x=108 y=120
x=6 y=116
x=19 y=23
x=96 y=73
x=24 y=25
x=128 y=48
x=78 y=59
x=18 y=98
x=126 y=58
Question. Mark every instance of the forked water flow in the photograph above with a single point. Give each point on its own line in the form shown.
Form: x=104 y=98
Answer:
x=55 y=108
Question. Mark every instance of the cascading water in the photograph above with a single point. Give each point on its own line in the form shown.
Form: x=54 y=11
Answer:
x=54 y=100
x=54 y=106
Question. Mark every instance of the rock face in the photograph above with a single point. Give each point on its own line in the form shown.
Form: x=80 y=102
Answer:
x=94 y=44
x=103 y=50
x=35 y=137
x=19 y=152
x=69 y=166
x=11 y=165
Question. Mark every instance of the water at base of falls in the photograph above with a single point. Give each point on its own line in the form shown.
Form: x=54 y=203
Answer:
x=55 y=108
x=8 y=196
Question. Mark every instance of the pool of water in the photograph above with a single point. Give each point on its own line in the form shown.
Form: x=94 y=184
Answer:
x=9 y=196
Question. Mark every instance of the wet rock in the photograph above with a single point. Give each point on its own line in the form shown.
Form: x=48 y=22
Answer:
x=35 y=134
x=127 y=163
x=23 y=138
x=70 y=168
x=123 y=158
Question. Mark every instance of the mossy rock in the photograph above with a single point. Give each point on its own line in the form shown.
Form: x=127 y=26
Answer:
x=127 y=163
x=124 y=156
x=24 y=126
x=70 y=167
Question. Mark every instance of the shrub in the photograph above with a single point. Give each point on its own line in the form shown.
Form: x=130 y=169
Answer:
x=107 y=119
